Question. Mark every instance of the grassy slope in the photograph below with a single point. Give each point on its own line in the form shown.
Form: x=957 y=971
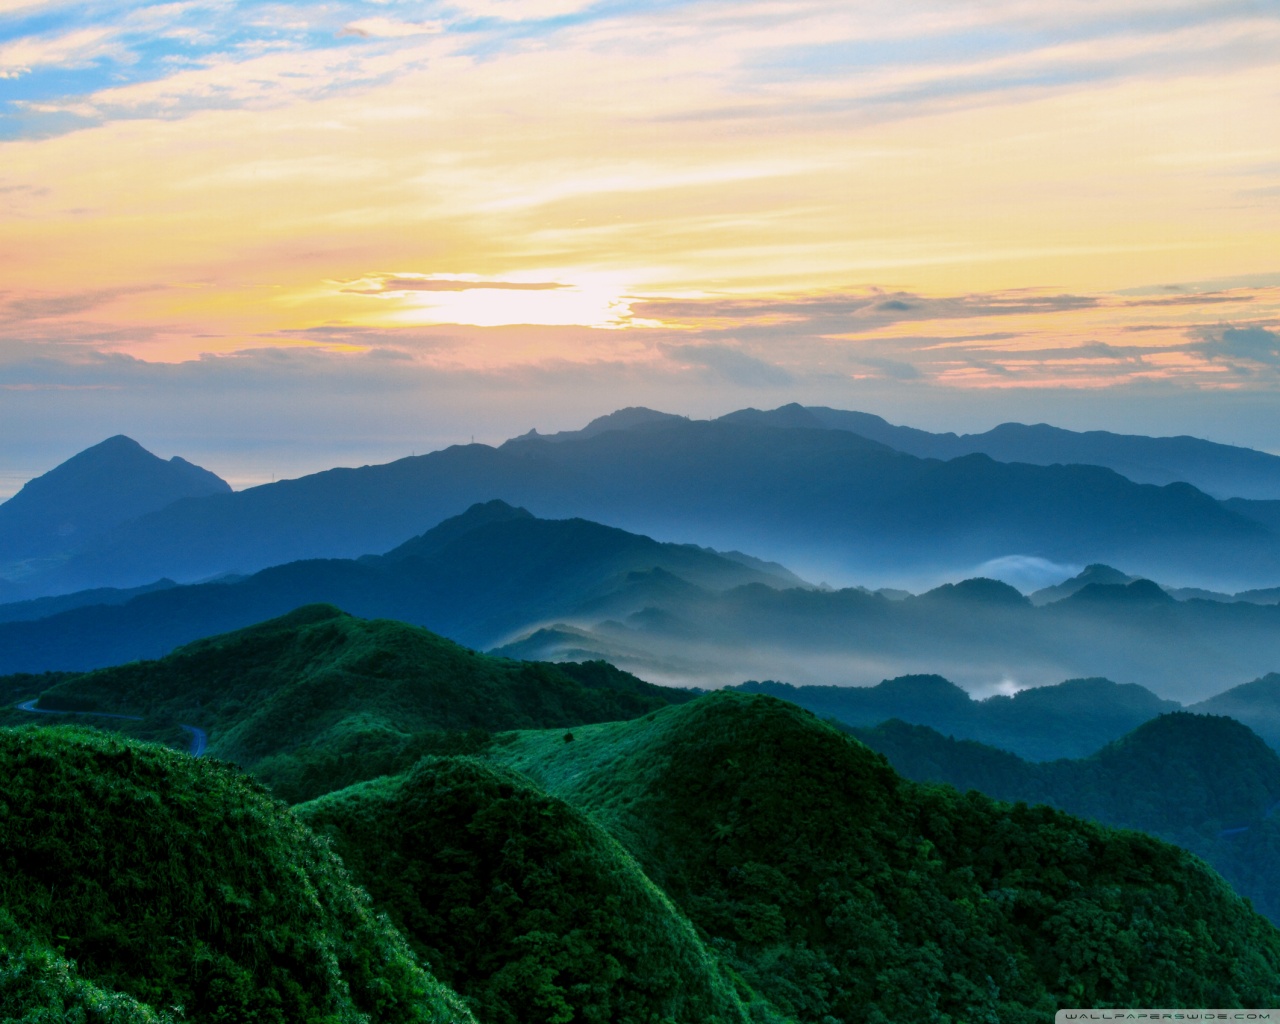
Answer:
x=317 y=699
x=520 y=902
x=839 y=889
x=171 y=882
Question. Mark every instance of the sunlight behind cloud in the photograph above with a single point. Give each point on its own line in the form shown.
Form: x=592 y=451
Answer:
x=215 y=197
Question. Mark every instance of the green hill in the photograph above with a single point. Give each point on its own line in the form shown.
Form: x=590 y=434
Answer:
x=1204 y=782
x=138 y=884
x=317 y=699
x=840 y=890
x=519 y=902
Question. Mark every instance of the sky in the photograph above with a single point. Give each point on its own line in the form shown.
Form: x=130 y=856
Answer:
x=277 y=237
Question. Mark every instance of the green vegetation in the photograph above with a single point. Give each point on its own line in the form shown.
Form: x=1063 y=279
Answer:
x=318 y=699
x=39 y=986
x=1204 y=782
x=520 y=902
x=138 y=882
x=569 y=844
x=843 y=892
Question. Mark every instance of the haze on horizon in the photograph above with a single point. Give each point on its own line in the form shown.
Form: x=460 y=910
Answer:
x=277 y=238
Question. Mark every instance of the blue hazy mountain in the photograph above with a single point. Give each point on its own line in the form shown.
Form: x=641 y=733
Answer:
x=1069 y=719
x=477 y=578
x=980 y=633
x=562 y=590
x=43 y=607
x=1107 y=575
x=1256 y=704
x=818 y=499
x=1223 y=470
x=101 y=487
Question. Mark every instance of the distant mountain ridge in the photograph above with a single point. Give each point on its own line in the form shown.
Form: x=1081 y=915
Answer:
x=980 y=632
x=1098 y=575
x=556 y=590
x=1222 y=470
x=477 y=577
x=1069 y=719
x=815 y=498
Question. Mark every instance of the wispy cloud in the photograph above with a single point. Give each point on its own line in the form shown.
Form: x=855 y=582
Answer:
x=387 y=28
x=802 y=195
x=400 y=283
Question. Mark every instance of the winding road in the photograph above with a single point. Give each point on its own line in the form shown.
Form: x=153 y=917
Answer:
x=199 y=738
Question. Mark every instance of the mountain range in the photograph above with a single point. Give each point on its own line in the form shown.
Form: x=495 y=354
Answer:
x=479 y=578
x=496 y=577
x=721 y=858
x=1222 y=470
x=1072 y=719
x=831 y=502
x=984 y=634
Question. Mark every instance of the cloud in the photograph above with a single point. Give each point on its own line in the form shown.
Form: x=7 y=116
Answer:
x=21 y=56
x=1191 y=300
x=729 y=364
x=854 y=312
x=379 y=285
x=386 y=28
x=894 y=368
x=521 y=10
x=1249 y=344
x=1026 y=572
x=48 y=307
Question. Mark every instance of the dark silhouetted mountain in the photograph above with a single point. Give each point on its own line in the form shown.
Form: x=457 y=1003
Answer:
x=1205 y=782
x=1225 y=471
x=979 y=590
x=808 y=497
x=1096 y=573
x=623 y=419
x=1106 y=575
x=1137 y=593
x=479 y=578
x=103 y=486
x=1070 y=719
x=840 y=891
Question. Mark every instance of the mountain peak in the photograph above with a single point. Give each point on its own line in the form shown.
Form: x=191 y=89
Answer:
x=106 y=484
x=482 y=513
x=117 y=442
x=1138 y=592
x=629 y=418
x=1095 y=572
x=978 y=590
